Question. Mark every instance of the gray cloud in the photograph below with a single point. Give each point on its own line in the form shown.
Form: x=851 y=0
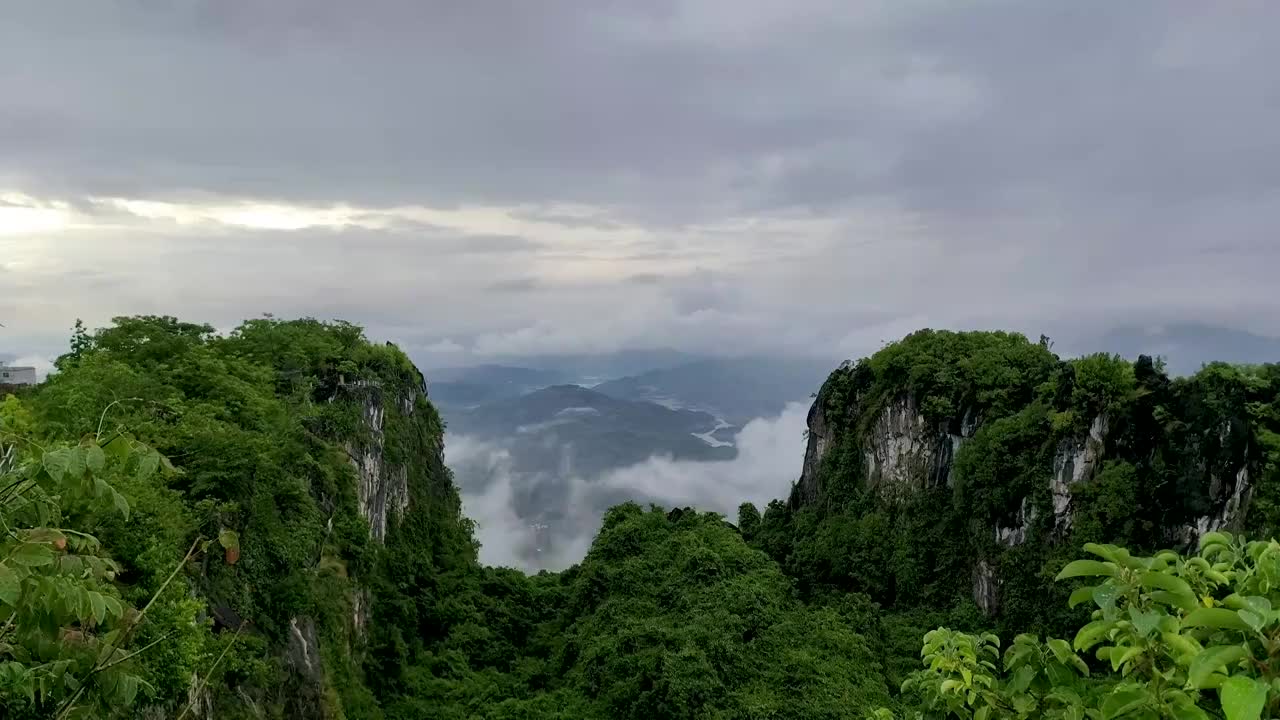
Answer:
x=722 y=176
x=769 y=451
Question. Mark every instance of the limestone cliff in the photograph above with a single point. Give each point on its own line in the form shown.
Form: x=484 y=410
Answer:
x=901 y=449
x=382 y=486
x=1017 y=451
x=392 y=439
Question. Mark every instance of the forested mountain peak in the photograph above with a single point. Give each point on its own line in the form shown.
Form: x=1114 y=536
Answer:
x=957 y=466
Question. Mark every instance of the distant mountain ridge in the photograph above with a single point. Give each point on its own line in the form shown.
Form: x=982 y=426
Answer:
x=737 y=389
x=569 y=428
x=1189 y=346
x=591 y=369
x=468 y=387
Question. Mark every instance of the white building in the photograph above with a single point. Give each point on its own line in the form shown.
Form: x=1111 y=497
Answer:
x=14 y=375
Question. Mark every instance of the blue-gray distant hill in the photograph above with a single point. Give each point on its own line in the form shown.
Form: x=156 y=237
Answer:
x=469 y=387
x=1188 y=346
x=736 y=389
x=575 y=431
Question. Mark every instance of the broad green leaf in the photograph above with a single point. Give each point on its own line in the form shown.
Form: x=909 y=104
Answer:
x=1214 y=681
x=1061 y=650
x=1015 y=656
x=1066 y=696
x=120 y=503
x=1252 y=619
x=75 y=462
x=1106 y=552
x=1123 y=701
x=95 y=459
x=10 y=585
x=1086 y=568
x=129 y=688
x=1216 y=618
x=118 y=449
x=1185 y=646
x=1119 y=659
x=1181 y=601
x=1144 y=621
x=1214 y=538
x=1105 y=595
x=99 y=606
x=114 y=608
x=84 y=608
x=1059 y=675
x=1090 y=634
x=1212 y=659
x=55 y=463
x=148 y=464
x=1258 y=604
x=1080 y=665
x=1079 y=595
x=1234 y=601
x=1164 y=581
x=1021 y=679
x=229 y=539
x=1242 y=698
x=33 y=554
x=1187 y=710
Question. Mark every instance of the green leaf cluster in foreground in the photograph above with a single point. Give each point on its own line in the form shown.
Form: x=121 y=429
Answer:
x=1169 y=637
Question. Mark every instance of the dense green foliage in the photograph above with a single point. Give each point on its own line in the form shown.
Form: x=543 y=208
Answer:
x=1173 y=637
x=1169 y=454
x=65 y=641
x=669 y=616
x=256 y=430
x=234 y=487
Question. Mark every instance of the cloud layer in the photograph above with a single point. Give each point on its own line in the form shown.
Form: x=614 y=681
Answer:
x=770 y=451
x=480 y=179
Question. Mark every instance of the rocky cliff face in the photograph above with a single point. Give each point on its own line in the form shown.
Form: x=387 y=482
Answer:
x=905 y=452
x=901 y=450
x=391 y=446
x=383 y=486
x=862 y=430
x=1075 y=461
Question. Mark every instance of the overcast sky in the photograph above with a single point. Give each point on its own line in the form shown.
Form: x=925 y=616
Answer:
x=487 y=178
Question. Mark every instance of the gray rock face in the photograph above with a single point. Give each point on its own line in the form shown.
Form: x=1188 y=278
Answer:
x=902 y=450
x=1230 y=505
x=302 y=656
x=1016 y=535
x=906 y=452
x=986 y=588
x=820 y=436
x=382 y=487
x=1075 y=462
